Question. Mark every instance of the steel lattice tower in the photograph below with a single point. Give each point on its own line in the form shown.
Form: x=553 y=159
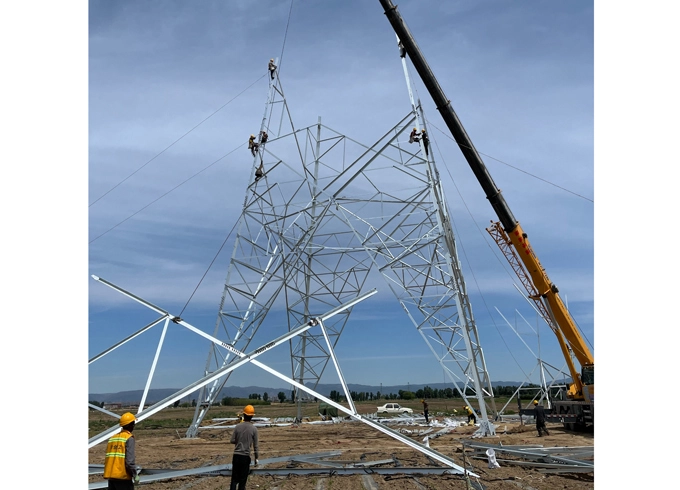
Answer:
x=326 y=212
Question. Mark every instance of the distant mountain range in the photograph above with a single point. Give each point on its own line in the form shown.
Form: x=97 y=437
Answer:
x=156 y=395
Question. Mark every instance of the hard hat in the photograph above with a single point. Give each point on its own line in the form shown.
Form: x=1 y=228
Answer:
x=252 y=135
x=535 y=402
x=415 y=129
x=249 y=410
x=271 y=59
x=126 y=418
x=465 y=406
x=422 y=401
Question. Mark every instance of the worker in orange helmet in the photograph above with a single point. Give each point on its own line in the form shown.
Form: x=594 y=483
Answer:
x=119 y=465
x=245 y=435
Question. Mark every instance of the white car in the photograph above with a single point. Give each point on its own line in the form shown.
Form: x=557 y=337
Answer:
x=394 y=408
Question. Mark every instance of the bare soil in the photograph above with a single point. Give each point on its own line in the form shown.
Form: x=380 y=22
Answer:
x=167 y=448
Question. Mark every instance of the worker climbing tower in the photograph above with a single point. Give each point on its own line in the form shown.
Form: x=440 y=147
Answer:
x=288 y=249
x=321 y=213
x=463 y=349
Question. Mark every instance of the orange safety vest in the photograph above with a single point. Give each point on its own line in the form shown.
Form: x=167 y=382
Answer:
x=114 y=464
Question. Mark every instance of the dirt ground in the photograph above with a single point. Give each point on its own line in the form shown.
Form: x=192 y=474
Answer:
x=163 y=448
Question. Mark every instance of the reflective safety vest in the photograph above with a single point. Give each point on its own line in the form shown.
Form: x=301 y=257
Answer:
x=114 y=464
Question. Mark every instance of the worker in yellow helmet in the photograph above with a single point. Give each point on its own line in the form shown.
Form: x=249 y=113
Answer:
x=252 y=144
x=414 y=137
x=119 y=465
x=245 y=435
x=539 y=415
x=471 y=414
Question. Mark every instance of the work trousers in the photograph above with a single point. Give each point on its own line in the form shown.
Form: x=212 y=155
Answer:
x=240 y=468
x=427 y=418
x=540 y=427
x=116 y=484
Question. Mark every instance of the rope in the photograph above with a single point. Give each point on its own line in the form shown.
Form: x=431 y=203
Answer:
x=176 y=141
x=166 y=193
x=512 y=166
x=285 y=35
x=209 y=267
x=268 y=119
x=474 y=277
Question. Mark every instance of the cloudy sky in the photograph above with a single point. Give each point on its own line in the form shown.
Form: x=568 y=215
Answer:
x=170 y=91
x=175 y=88
x=94 y=92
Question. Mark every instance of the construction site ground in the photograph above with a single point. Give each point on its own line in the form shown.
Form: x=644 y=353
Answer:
x=161 y=444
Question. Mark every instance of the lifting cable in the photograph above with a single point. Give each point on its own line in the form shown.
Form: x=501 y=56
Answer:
x=174 y=142
x=462 y=247
x=278 y=68
x=166 y=193
x=494 y=253
x=511 y=166
x=480 y=231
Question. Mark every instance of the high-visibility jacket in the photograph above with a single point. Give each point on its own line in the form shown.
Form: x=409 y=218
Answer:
x=114 y=464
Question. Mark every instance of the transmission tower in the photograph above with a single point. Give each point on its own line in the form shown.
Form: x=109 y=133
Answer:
x=322 y=211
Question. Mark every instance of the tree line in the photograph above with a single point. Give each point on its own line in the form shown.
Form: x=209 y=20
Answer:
x=361 y=396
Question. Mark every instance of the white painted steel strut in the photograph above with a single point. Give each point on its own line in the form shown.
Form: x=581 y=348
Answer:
x=250 y=357
x=244 y=358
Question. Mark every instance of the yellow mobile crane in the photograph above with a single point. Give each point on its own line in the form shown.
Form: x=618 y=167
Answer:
x=577 y=408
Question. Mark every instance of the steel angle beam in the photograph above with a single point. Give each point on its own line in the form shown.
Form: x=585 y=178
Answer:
x=358 y=471
x=550 y=466
x=567 y=469
x=151 y=475
x=225 y=470
x=343 y=464
x=544 y=458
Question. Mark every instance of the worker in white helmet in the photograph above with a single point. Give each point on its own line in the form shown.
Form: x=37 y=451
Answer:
x=272 y=68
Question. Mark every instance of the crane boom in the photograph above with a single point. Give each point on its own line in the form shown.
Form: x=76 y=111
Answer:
x=582 y=388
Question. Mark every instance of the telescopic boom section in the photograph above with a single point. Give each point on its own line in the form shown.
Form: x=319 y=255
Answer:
x=544 y=286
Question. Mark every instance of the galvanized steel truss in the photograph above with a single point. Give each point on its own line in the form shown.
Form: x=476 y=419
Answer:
x=325 y=211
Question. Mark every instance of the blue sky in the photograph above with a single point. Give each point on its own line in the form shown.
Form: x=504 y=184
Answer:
x=85 y=105
x=519 y=75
